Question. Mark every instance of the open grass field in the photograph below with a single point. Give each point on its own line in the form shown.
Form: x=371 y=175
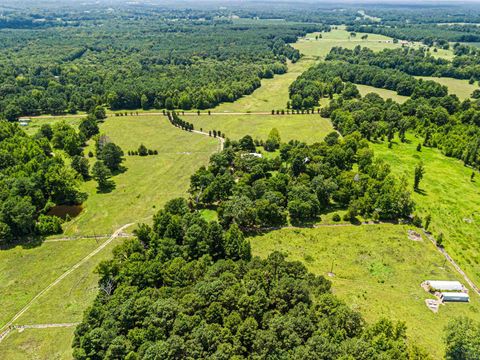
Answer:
x=66 y=302
x=378 y=271
x=384 y=93
x=38 y=344
x=24 y=272
x=309 y=128
x=459 y=87
x=318 y=49
x=272 y=94
x=148 y=181
x=447 y=194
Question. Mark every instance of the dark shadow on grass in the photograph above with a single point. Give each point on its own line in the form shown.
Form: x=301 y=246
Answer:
x=26 y=243
x=421 y=192
x=121 y=169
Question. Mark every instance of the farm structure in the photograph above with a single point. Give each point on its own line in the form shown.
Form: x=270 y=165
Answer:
x=454 y=297
x=441 y=285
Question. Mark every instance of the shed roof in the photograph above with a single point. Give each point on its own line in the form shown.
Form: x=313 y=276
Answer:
x=445 y=285
x=455 y=294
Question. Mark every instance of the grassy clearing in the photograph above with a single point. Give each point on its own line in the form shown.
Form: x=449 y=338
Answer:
x=384 y=93
x=309 y=128
x=447 y=194
x=318 y=49
x=378 y=271
x=149 y=181
x=272 y=94
x=66 y=302
x=38 y=344
x=459 y=87
x=24 y=272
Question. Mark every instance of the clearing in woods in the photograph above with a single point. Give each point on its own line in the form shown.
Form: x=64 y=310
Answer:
x=447 y=194
x=378 y=271
x=462 y=88
x=309 y=128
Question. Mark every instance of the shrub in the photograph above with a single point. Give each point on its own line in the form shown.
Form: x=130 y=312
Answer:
x=48 y=225
x=142 y=150
x=416 y=220
x=336 y=217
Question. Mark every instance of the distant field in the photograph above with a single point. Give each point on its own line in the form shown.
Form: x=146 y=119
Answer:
x=384 y=93
x=378 y=271
x=273 y=93
x=149 y=181
x=339 y=37
x=448 y=195
x=309 y=128
x=459 y=87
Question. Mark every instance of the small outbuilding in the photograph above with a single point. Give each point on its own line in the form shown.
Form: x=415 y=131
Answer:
x=442 y=285
x=454 y=297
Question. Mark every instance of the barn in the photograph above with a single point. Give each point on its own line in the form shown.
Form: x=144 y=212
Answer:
x=454 y=297
x=442 y=285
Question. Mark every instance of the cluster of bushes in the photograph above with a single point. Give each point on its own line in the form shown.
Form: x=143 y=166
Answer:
x=253 y=191
x=215 y=133
x=142 y=151
x=299 y=109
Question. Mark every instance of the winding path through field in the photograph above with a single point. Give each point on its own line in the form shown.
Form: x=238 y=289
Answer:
x=4 y=330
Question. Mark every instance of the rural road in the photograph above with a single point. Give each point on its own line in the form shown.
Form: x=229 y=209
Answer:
x=4 y=330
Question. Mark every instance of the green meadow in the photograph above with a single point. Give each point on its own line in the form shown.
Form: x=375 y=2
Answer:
x=459 y=87
x=25 y=271
x=309 y=128
x=384 y=93
x=38 y=344
x=447 y=194
x=272 y=94
x=377 y=271
x=148 y=182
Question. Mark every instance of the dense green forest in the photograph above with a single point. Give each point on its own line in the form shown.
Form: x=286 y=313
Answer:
x=32 y=180
x=255 y=192
x=145 y=63
x=44 y=170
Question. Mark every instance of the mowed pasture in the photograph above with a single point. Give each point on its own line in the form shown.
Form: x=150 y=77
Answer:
x=148 y=182
x=447 y=194
x=377 y=271
x=38 y=344
x=459 y=87
x=272 y=94
x=319 y=48
x=63 y=303
x=308 y=128
x=24 y=272
x=384 y=93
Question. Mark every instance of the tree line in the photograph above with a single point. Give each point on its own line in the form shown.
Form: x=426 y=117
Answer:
x=336 y=77
x=417 y=62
